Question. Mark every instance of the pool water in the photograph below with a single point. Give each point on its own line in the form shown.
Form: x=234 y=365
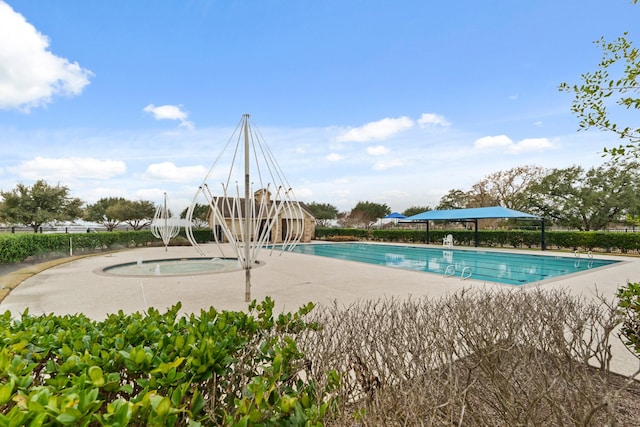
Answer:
x=501 y=267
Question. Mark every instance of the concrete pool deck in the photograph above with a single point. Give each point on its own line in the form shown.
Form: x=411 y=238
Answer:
x=290 y=279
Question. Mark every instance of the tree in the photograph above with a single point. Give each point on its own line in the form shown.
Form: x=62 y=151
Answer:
x=39 y=204
x=367 y=213
x=138 y=214
x=506 y=188
x=454 y=199
x=414 y=210
x=200 y=216
x=587 y=200
x=509 y=188
x=592 y=102
x=105 y=212
x=323 y=212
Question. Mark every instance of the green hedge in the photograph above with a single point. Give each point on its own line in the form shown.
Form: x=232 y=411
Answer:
x=18 y=247
x=574 y=240
x=157 y=369
x=327 y=233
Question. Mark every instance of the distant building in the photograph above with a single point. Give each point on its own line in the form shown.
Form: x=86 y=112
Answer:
x=233 y=208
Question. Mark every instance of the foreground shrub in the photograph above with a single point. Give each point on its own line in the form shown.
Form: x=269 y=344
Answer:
x=476 y=358
x=525 y=357
x=629 y=297
x=217 y=368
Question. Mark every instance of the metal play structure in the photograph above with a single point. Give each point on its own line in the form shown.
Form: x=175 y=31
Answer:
x=163 y=225
x=252 y=207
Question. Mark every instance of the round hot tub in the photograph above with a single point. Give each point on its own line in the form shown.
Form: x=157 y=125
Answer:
x=174 y=267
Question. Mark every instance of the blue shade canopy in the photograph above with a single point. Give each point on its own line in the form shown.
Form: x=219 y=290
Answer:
x=394 y=215
x=471 y=213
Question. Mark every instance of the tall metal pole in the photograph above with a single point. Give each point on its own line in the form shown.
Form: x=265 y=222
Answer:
x=166 y=214
x=247 y=213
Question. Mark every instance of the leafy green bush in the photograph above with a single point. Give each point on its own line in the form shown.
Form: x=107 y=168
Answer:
x=574 y=240
x=629 y=303
x=18 y=247
x=323 y=233
x=218 y=368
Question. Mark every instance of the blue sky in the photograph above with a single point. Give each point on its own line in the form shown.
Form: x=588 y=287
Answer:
x=389 y=102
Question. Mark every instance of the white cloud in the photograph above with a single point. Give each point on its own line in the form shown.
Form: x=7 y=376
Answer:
x=302 y=193
x=170 y=172
x=503 y=142
x=388 y=164
x=378 y=150
x=381 y=129
x=152 y=194
x=30 y=75
x=431 y=119
x=67 y=169
x=169 y=112
x=334 y=157
x=490 y=142
x=532 y=144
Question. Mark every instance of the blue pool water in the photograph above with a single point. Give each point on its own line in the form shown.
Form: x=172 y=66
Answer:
x=501 y=267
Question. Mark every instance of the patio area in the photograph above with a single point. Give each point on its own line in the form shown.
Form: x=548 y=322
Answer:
x=290 y=279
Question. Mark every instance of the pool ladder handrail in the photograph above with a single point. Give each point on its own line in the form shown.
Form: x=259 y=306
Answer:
x=577 y=254
x=450 y=271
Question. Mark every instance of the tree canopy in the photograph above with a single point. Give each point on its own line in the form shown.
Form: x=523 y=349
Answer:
x=367 y=213
x=323 y=212
x=39 y=204
x=604 y=95
x=138 y=214
x=454 y=199
x=200 y=216
x=587 y=200
x=105 y=212
x=414 y=210
x=503 y=188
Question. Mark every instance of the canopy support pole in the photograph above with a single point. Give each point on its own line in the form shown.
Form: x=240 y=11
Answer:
x=543 y=244
x=475 y=221
x=427 y=238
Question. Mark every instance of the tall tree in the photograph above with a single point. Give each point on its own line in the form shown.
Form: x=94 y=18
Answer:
x=367 y=213
x=415 y=210
x=614 y=85
x=138 y=214
x=105 y=212
x=39 y=204
x=323 y=213
x=588 y=200
x=454 y=199
x=507 y=188
x=200 y=216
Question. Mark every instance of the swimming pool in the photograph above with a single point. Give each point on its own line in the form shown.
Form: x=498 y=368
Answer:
x=491 y=266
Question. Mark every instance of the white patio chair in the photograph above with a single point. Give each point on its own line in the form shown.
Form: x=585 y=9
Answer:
x=448 y=241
